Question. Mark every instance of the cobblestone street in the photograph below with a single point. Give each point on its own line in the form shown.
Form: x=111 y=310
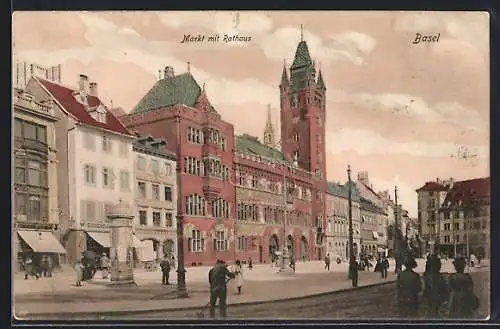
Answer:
x=377 y=302
x=261 y=284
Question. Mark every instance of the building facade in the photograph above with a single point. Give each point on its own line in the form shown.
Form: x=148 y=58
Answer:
x=371 y=242
x=274 y=208
x=430 y=197
x=465 y=220
x=203 y=144
x=225 y=177
x=36 y=213
x=95 y=163
x=155 y=198
x=337 y=211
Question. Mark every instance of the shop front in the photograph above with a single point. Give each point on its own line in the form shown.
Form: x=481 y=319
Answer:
x=37 y=245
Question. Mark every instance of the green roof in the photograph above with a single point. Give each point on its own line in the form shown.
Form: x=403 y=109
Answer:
x=302 y=57
x=250 y=145
x=343 y=190
x=180 y=89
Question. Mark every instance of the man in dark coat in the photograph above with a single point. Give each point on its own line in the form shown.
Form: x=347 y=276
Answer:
x=408 y=288
x=165 y=270
x=217 y=277
x=353 y=271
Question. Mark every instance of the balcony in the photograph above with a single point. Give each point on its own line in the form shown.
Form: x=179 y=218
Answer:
x=26 y=101
x=31 y=144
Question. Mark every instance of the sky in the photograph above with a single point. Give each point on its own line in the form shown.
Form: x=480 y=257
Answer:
x=406 y=113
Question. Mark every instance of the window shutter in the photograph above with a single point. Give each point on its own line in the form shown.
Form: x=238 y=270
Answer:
x=189 y=244
x=215 y=244
x=202 y=241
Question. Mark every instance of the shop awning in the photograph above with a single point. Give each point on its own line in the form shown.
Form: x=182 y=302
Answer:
x=375 y=235
x=41 y=241
x=103 y=238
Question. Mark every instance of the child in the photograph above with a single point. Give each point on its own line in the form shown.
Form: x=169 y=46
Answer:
x=79 y=273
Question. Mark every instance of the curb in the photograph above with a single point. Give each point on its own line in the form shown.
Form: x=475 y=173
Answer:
x=102 y=314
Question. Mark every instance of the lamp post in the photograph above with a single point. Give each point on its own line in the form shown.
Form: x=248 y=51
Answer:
x=181 y=272
x=396 y=230
x=351 y=242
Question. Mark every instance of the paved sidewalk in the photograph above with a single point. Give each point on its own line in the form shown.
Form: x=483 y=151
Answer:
x=57 y=295
x=159 y=298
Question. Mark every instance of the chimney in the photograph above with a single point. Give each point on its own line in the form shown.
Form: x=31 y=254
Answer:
x=363 y=177
x=168 y=72
x=83 y=84
x=93 y=89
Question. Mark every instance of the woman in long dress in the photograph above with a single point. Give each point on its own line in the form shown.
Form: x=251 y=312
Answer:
x=238 y=271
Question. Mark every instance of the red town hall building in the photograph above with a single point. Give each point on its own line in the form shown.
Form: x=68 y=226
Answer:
x=242 y=198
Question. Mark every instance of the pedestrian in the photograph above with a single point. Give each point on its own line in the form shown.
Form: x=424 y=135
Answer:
x=384 y=267
x=172 y=262
x=217 y=277
x=436 y=290
x=250 y=263
x=165 y=270
x=50 y=265
x=292 y=263
x=479 y=257
x=327 y=262
x=472 y=260
x=29 y=269
x=79 y=273
x=463 y=301
x=408 y=287
x=238 y=271
x=378 y=265
x=353 y=271
x=43 y=266
x=105 y=265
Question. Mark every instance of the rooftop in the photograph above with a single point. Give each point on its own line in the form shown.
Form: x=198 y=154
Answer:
x=469 y=192
x=180 y=89
x=342 y=191
x=66 y=97
x=251 y=145
x=432 y=187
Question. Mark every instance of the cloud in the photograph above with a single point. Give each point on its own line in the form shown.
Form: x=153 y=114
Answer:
x=219 y=22
x=464 y=28
x=366 y=142
x=347 y=46
x=110 y=42
x=418 y=108
x=407 y=197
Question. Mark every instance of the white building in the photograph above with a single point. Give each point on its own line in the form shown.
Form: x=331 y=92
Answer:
x=155 y=199
x=337 y=212
x=95 y=163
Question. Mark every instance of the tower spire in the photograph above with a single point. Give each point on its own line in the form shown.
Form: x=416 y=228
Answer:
x=284 y=75
x=269 y=129
x=301 y=32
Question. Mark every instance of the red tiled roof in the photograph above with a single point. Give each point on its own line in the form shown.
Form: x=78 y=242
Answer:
x=469 y=191
x=432 y=187
x=65 y=96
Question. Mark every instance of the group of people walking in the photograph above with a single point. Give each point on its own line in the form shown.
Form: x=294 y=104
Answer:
x=38 y=266
x=457 y=294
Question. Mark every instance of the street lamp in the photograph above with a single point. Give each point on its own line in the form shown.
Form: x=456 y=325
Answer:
x=396 y=231
x=351 y=243
x=181 y=271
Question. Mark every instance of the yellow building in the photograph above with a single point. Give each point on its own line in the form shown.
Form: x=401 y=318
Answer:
x=36 y=212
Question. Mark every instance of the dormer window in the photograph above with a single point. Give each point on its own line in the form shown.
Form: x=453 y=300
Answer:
x=99 y=114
